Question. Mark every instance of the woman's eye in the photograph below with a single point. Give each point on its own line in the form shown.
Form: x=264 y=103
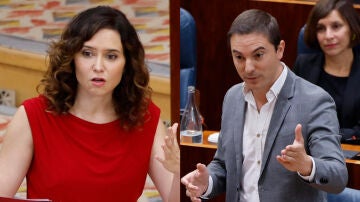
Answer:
x=87 y=53
x=320 y=28
x=336 y=26
x=112 y=56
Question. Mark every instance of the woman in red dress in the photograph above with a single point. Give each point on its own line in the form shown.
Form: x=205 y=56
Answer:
x=93 y=133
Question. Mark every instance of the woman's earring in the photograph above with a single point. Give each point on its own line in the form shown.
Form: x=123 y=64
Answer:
x=353 y=37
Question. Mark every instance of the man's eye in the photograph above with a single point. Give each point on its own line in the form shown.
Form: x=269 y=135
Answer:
x=258 y=55
x=239 y=57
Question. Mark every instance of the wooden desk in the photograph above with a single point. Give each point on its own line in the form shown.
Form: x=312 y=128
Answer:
x=353 y=167
x=203 y=153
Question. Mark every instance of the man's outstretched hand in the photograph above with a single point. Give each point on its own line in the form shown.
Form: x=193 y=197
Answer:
x=196 y=182
x=294 y=158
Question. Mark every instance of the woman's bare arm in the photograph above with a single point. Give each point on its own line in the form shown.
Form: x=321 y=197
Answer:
x=15 y=154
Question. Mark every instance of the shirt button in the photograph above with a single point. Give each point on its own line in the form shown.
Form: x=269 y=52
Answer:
x=258 y=135
x=258 y=162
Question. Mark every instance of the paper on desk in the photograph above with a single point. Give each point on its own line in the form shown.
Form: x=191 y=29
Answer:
x=213 y=138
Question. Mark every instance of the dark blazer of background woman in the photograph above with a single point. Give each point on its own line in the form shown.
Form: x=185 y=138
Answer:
x=309 y=67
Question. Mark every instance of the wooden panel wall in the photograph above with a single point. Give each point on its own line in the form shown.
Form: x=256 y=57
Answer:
x=215 y=69
x=175 y=60
x=291 y=17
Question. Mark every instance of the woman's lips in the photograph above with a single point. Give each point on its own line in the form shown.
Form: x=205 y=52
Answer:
x=98 y=81
x=330 y=45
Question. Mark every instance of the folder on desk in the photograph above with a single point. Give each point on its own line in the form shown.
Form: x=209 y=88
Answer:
x=348 y=154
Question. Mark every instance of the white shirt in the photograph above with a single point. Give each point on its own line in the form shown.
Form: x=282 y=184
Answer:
x=255 y=129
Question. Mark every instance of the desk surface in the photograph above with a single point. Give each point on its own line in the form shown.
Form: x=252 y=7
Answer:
x=207 y=144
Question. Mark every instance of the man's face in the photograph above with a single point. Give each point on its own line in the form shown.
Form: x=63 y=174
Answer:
x=256 y=60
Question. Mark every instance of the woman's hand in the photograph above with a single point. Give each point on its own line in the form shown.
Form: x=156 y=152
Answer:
x=171 y=150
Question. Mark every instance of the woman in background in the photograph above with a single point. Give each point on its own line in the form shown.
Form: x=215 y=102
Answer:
x=333 y=26
x=93 y=134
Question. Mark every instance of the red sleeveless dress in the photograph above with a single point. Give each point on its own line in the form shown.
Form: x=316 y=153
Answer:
x=76 y=160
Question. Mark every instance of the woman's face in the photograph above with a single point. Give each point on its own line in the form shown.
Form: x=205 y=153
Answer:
x=99 y=65
x=333 y=34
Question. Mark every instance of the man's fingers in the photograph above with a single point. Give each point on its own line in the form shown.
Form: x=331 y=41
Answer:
x=193 y=195
x=186 y=179
x=195 y=199
x=194 y=181
x=201 y=168
x=192 y=187
x=298 y=134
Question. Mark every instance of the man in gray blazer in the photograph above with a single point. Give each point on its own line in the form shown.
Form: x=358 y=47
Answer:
x=279 y=138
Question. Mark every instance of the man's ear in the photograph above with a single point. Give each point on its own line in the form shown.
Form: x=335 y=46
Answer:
x=280 y=49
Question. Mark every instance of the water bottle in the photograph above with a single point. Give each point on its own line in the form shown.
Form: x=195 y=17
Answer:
x=191 y=121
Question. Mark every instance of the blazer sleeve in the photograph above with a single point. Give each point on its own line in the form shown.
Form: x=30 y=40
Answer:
x=218 y=172
x=323 y=144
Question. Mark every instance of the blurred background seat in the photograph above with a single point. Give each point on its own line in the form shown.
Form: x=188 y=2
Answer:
x=302 y=48
x=187 y=55
x=348 y=195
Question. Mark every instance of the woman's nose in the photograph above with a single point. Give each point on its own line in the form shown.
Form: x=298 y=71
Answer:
x=329 y=33
x=98 y=64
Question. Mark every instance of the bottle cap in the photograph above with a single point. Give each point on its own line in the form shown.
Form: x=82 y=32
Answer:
x=191 y=88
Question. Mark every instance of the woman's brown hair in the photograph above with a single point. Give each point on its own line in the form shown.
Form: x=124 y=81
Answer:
x=133 y=94
x=323 y=8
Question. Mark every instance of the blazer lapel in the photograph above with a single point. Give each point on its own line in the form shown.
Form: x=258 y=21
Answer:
x=282 y=106
x=314 y=70
x=238 y=133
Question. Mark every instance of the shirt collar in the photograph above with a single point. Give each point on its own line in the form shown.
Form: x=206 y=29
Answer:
x=274 y=89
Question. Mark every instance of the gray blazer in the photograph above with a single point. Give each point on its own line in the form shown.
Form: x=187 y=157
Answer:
x=301 y=102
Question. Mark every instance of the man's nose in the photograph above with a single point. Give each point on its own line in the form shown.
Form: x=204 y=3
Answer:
x=249 y=66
